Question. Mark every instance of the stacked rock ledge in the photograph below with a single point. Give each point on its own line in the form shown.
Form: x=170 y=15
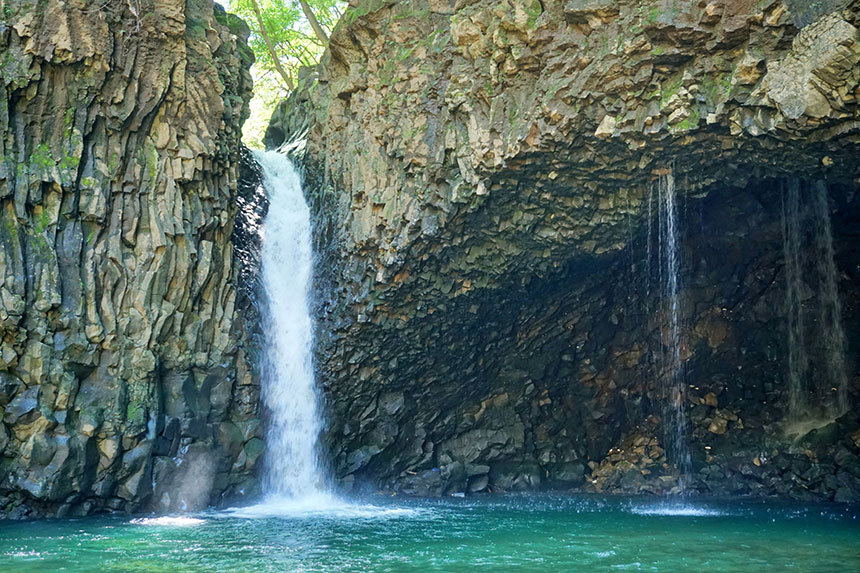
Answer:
x=480 y=175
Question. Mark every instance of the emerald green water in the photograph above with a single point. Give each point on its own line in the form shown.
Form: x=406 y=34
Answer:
x=525 y=533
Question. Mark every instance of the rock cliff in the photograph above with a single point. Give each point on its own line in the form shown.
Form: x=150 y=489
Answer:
x=483 y=176
x=123 y=382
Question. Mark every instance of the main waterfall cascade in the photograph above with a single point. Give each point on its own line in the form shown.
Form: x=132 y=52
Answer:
x=294 y=482
x=291 y=468
x=817 y=375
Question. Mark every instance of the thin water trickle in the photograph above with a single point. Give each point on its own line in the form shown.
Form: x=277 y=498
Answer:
x=829 y=306
x=797 y=359
x=291 y=468
x=672 y=371
x=817 y=375
x=648 y=244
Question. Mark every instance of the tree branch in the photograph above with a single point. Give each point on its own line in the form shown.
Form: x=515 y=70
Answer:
x=315 y=25
x=270 y=47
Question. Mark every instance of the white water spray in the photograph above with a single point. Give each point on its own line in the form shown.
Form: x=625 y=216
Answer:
x=293 y=481
x=291 y=470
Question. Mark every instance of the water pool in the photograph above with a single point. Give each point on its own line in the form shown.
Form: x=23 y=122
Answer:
x=491 y=533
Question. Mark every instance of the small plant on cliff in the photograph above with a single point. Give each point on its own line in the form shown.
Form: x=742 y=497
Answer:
x=41 y=157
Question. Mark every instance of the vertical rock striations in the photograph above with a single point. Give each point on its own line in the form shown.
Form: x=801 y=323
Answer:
x=123 y=384
x=481 y=171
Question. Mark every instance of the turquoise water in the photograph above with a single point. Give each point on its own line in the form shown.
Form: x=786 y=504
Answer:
x=525 y=533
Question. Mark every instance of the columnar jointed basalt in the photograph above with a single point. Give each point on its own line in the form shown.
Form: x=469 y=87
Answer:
x=481 y=172
x=123 y=382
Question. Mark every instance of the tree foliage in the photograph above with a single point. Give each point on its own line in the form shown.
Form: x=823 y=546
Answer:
x=283 y=40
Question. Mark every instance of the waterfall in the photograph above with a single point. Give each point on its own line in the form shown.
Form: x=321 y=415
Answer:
x=829 y=307
x=797 y=360
x=817 y=376
x=648 y=244
x=672 y=381
x=291 y=468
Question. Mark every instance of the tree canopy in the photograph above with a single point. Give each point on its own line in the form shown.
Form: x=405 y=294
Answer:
x=285 y=35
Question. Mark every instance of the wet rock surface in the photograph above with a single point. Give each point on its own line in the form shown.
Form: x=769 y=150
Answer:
x=124 y=384
x=481 y=177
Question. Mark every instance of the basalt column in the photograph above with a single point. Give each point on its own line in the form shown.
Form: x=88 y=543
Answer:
x=479 y=178
x=123 y=379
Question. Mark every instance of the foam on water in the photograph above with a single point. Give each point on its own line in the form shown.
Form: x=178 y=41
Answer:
x=676 y=511
x=169 y=521
x=316 y=506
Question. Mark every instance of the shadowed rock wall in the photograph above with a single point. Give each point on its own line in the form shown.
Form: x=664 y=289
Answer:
x=480 y=173
x=123 y=382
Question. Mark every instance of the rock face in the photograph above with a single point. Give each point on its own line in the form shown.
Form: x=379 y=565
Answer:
x=123 y=383
x=483 y=176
